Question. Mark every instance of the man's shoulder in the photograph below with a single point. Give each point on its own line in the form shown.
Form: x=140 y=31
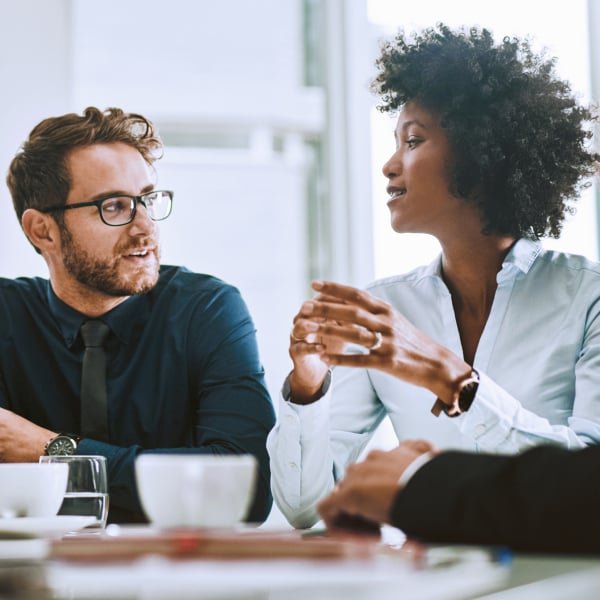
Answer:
x=172 y=276
x=177 y=282
x=181 y=291
x=22 y=287
x=20 y=298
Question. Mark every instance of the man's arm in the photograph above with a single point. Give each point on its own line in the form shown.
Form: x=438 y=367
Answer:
x=367 y=492
x=234 y=411
x=231 y=410
x=20 y=439
x=543 y=500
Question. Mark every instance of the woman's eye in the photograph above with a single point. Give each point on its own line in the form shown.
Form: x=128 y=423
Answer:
x=411 y=142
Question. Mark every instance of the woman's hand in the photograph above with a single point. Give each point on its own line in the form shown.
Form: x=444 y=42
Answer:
x=342 y=315
x=308 y=351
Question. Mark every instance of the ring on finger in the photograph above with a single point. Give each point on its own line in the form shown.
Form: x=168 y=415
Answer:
x=378 y=341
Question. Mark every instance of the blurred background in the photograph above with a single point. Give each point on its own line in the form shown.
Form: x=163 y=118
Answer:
x=274 y=146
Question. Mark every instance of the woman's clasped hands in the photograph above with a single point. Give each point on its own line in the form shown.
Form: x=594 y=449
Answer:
x=346 y=326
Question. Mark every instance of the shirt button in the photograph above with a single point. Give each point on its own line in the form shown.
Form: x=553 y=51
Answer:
x=293 y=466
x=480 y=429
x=290 y=419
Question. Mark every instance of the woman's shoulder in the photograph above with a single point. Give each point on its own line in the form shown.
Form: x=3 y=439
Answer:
x=532 y=260
x=557 y=260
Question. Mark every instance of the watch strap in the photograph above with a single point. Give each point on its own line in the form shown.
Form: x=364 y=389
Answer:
x=462 y=399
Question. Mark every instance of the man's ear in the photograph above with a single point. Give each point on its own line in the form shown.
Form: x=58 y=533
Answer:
x=41 y=229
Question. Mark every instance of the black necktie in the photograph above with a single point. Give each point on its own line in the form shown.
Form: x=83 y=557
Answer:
x=94 y=412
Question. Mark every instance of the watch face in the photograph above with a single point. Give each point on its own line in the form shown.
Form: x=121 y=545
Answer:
x=61 y=445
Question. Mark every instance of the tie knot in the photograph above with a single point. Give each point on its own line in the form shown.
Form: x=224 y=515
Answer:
x=93 y=333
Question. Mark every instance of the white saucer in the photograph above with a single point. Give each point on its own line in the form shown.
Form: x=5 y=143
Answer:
x=45 y=526
x=17 y=550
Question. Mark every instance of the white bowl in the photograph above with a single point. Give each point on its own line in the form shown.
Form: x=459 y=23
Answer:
x=200 y=490
x=32 y=489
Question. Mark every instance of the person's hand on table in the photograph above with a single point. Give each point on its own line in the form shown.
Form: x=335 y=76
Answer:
x=342 y=315
x=20 y=439
x=367 y=492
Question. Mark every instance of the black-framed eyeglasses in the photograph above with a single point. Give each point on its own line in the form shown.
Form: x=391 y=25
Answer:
x=120 y=209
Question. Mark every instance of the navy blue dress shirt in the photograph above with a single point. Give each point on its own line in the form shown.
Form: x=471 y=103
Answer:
x=183 y=376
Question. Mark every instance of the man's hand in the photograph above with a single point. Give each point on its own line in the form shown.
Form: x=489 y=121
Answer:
x=20 y=439
x=369 y=488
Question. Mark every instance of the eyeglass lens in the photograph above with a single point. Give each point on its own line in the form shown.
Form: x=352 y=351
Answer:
x=118 y=210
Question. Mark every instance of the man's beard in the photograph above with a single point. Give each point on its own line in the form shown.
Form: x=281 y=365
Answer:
x=102 y=275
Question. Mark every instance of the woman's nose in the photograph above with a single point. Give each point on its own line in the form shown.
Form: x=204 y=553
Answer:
x=392 y=167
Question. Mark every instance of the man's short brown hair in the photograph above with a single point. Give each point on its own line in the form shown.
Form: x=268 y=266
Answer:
x=38 y=175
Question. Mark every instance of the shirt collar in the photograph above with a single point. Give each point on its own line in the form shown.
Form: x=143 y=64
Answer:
x=434 y=268
x=521 y=256
x=68 y=319
x=123 y=320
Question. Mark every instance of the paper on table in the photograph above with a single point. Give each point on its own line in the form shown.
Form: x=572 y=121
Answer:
x=204 y=543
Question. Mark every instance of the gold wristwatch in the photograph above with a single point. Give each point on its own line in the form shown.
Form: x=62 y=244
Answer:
x=462 y=399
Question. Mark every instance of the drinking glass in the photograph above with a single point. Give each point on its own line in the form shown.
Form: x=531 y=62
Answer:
x=87 y=489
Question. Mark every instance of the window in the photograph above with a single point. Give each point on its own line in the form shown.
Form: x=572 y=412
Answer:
x=563 y=32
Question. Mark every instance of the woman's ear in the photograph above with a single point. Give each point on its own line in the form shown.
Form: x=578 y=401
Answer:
x=41 y=229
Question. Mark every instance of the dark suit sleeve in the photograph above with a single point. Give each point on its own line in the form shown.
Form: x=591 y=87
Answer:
x=3 y=393
x=546 y=499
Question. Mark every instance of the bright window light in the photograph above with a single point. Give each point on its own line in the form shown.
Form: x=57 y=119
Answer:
x=563 y=32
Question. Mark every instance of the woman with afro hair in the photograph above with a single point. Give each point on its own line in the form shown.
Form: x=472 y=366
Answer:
x=495 y=346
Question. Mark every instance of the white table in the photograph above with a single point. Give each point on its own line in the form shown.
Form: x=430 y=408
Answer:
x=155 y=578
x=445 y=573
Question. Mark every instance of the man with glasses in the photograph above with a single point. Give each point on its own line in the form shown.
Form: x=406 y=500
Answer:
x=174 y=367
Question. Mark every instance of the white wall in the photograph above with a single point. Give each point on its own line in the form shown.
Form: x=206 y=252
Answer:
x=197 y=57
x=561 y=28
x=239 y=214
x=35 y=75
x=231 y=67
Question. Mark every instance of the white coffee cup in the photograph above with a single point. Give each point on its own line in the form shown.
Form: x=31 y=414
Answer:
x=31 y=489
x=199 y=490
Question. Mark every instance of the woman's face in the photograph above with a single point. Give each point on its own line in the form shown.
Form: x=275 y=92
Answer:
x=418 y=174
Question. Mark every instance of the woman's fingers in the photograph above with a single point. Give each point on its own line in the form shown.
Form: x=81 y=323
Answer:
x=343 y=313
x=305 y=331
x=350 y=295
x=352 y=334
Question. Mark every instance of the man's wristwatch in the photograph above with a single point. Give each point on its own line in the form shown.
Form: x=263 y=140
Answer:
x=462 y=399
x=61 y=445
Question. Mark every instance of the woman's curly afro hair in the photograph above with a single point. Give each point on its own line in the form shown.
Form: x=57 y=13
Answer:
x=519 y=138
